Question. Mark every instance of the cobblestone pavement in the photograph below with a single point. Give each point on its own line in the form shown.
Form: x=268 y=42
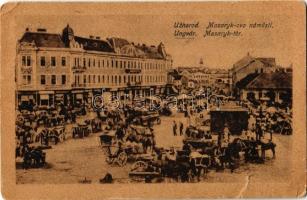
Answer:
x=75 y=160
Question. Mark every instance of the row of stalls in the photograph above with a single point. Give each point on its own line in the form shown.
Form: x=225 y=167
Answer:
x=50 y=98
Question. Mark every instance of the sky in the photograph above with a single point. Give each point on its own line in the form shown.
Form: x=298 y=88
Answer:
x=152 y=29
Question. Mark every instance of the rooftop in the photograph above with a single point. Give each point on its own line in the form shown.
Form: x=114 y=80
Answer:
x=275 y=80
x=42 y=39
x=248 y=59
x=114 y=45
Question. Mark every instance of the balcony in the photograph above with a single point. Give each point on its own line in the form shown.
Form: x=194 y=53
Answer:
x=133 y=71
x=131 y=84
x=78 y=69
x=78 y=85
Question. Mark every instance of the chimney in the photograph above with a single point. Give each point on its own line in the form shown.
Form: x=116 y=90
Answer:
x=43 y=30
x=91 y=37
x=97 y=38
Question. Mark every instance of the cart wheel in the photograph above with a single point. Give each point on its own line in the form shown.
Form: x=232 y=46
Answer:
x=105 y=150
x=139 y=166
x=122 y=159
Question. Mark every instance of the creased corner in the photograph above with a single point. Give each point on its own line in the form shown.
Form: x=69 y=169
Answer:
x=303 y=193
x=243 y=189
x=8 y=7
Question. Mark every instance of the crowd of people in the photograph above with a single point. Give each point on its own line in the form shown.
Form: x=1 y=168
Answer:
x=130 y=132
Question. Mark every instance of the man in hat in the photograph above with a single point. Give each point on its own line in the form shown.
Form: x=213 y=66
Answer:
x=181 y=128
x=259 y=131
x=174 y=128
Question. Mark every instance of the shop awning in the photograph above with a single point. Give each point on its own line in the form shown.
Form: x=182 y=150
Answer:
x=44 y=97
x=59 y=96
x=46 y=92
x=79 y=96
x=24 y=98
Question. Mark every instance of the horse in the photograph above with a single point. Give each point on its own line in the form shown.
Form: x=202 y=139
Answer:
x=251 y=153
x=231 y=153
x=33 y=158
x=176 y=170
x=267 y=146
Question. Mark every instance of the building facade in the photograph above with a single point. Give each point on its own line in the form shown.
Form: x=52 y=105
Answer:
x=249 y=65
x=272 y=86
x=52 y=68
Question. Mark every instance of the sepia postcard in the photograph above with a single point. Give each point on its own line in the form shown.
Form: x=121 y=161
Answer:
x=150 y=100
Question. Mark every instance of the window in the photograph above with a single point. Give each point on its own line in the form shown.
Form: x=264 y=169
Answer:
x=63 y=61
x=89 y=78
x=119 y=79
x=52 y=61
x=94 y=62
x=43 y=79
x=84 y=62
x=24 y=79
x=84 y=78
x=98 y=78
x=94 y=78
x=89 y=62
x=53 y=79
x=63 y=79
x=43 y=61
x=103 y=78
x=24 y=61
x=29 y=79
x=28 y=60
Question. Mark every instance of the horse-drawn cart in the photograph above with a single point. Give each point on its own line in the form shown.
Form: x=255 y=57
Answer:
x=81 y=130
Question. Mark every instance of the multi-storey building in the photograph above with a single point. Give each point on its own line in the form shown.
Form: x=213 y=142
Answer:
x=64 y=67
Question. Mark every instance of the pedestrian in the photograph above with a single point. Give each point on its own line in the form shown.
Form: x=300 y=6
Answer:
x=226 y=133
x=259 y=131
x=174 y=128
x=181 y=128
